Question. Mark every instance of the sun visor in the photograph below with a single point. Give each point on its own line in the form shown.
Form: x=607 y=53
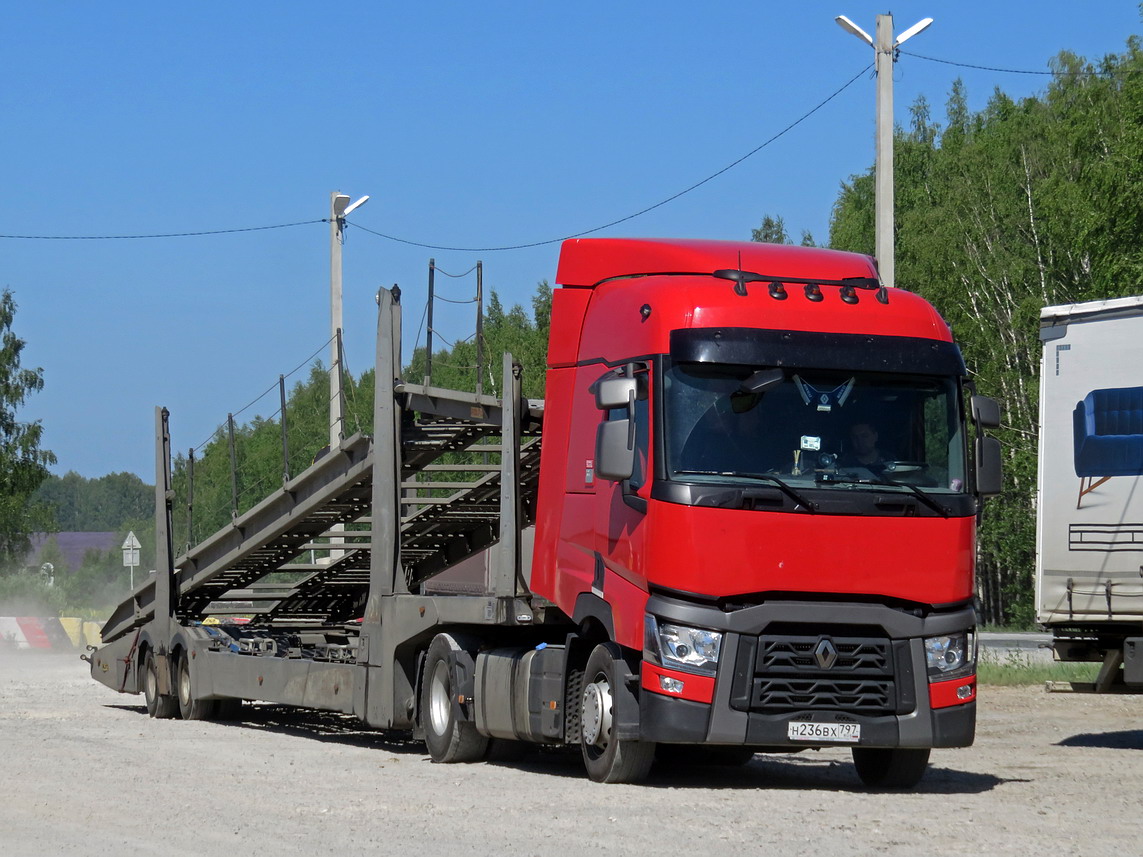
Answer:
x=812 y=350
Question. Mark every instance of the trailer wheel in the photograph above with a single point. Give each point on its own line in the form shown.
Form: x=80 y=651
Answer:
x=890 y=768
x=608 y=759
x=448 y=738
x=159 y=707
x=189 y=707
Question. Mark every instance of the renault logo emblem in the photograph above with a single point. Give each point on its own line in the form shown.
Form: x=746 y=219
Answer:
x=825 y=653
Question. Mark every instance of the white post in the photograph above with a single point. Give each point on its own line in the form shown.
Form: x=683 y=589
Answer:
x=885 y=47
x=337 y=205
x=884 y=179
x=339 y=209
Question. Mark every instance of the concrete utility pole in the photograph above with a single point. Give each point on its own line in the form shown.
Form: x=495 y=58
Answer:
x=885 y=47
x=339 y=209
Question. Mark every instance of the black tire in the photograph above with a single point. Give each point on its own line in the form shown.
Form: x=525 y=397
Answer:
x=158 y=706
x=189 y=707
x=890 y=768
x=448 y=738
x=608 y=759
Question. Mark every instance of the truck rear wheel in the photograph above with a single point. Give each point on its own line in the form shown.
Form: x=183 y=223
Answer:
x=189 y=707
x=158 y=706
x=448 y=738
x=890 y=768
x=608 y=759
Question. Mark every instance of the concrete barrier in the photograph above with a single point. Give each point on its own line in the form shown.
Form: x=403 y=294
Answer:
x=51 y=633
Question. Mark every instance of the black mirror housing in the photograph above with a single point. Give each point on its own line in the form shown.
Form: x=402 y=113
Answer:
x=985 y=412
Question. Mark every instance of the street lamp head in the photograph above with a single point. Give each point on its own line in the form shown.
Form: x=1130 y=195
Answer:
x=912 y=31
x=851 y=27
x=365 y=199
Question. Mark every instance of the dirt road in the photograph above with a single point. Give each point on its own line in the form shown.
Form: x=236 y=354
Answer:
x=84 y=771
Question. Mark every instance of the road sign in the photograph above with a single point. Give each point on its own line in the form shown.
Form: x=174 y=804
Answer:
x=131 y=554
x=131 y=550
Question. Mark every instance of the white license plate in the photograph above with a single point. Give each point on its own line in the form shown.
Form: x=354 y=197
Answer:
x=845 y=733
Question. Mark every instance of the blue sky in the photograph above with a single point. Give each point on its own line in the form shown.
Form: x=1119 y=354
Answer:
x=469 y=125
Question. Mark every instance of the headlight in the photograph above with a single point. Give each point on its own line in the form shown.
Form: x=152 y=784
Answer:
x=949 y=653
x=691 y=649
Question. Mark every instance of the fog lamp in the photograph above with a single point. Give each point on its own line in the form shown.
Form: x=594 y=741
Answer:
x=670 y=685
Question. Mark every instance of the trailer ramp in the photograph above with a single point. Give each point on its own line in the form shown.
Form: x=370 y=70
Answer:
x=451 y=486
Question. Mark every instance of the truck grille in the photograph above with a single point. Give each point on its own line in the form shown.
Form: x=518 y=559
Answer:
x=866 y=697
x=800 y=673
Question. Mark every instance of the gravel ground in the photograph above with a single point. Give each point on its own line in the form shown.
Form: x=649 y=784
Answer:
x=84 y=771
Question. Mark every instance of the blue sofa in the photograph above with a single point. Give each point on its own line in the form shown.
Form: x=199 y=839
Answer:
x=1107 y=430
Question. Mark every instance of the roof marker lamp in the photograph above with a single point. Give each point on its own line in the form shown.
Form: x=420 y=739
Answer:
x=778 y=291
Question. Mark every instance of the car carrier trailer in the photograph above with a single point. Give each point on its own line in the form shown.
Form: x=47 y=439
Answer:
x=682 y=545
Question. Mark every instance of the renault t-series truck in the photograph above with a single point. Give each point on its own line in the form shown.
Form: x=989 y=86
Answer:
x=742 y=520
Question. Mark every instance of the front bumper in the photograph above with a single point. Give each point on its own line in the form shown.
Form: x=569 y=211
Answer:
x=764 y=681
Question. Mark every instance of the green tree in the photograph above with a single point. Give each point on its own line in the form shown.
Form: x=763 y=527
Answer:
x=512 y=331
x=112 y=502
x=772 y=231
x=23 y=465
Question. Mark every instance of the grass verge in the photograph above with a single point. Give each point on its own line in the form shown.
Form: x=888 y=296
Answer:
x=1015 y=669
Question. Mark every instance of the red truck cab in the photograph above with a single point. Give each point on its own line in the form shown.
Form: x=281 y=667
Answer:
x=755 y=493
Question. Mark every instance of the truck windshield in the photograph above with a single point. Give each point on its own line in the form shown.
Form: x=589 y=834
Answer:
x=814 y=428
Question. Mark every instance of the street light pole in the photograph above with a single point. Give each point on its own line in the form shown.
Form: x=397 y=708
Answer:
x=884 y=200
x=339 y=209
x=885 y=47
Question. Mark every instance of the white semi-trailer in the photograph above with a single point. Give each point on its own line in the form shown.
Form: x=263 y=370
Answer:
x=1089 y=521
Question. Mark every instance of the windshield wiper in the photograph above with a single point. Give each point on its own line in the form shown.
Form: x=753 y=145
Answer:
x=940 y=509
x=761 y=477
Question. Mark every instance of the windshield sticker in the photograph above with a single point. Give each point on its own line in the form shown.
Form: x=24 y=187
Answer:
x=824 y=399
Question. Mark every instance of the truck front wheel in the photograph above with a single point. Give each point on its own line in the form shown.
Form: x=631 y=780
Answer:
x=890 y=768
x=608 y=758
x=448 y=738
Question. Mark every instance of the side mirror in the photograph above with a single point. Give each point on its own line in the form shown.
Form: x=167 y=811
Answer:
x=615 y=393
x=985 y=412
x=989 y=474
x=614 y=453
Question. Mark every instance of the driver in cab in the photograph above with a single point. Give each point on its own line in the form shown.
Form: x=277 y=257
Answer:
x=863 y=449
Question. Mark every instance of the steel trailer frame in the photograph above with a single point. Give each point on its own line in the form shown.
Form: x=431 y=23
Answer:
x=350 y=635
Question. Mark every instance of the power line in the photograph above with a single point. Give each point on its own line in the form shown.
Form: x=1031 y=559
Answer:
x=266 y=392
x=162 y=234
x=608 y=225
x=1021 y=70
x=641 y=212
x=440 y=270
